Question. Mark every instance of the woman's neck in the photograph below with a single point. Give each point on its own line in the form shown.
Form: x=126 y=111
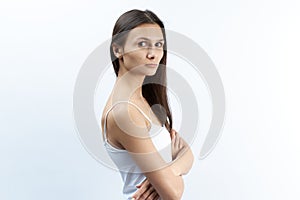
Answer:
x=129 y=86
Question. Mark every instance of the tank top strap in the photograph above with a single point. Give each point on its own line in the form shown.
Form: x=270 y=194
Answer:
x=105 y=117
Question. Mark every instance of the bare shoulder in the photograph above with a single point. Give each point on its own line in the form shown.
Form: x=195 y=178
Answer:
x=126 y=112
x=125 y=120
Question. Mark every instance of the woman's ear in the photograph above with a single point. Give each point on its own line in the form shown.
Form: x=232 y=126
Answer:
x=118 y=51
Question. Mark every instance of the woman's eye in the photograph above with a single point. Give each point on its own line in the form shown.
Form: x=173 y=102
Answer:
x=142 y=44
x=159 y=44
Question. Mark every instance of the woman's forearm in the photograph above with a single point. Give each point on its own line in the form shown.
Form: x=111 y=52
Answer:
x=183 y=162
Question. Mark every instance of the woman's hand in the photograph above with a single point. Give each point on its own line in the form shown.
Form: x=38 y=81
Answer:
x=146 y=191
x=177 y=144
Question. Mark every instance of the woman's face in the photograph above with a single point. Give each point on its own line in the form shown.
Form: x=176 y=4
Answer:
x=143 y=49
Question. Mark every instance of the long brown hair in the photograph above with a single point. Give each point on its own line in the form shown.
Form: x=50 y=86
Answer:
x=154 y=87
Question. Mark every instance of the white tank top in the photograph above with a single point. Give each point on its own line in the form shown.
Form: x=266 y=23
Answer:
x=130 y=172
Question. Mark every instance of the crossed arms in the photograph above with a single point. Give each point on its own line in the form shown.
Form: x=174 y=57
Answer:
x=164 y=180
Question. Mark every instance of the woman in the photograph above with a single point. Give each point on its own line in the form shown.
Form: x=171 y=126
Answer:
x=137 y=120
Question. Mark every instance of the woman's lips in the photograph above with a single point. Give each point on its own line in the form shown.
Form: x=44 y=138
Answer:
x=151 y=65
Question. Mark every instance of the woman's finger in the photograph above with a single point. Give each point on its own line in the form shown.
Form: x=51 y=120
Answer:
x=143 y=187
x=176 y=144
x=181 y=145
x=173 y=134
x=152 y=196
x=156 y=197
x=173 y=141
x=142 y=183
x=147 y=193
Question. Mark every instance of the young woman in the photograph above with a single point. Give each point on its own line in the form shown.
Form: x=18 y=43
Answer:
x=137 y=120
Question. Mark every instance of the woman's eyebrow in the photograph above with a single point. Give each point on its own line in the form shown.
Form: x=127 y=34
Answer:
x=144 y=38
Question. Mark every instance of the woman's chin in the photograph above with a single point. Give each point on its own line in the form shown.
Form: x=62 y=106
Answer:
x=147 y=71
x=151 y=73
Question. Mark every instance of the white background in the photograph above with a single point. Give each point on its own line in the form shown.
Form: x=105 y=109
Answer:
x=254 y=45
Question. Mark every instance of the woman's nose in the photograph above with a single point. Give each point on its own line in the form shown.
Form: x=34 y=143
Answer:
x=150 y=54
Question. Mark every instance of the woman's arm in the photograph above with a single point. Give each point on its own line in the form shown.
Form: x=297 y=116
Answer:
x=181 y=154
x=183 y=160
x=129 y=127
